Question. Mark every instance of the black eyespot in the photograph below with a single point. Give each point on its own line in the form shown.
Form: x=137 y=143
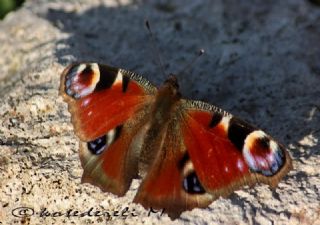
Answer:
x=98 y=145
x=191 y=184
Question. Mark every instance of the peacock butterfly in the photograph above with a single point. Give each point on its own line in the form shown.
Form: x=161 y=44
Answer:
x=188 y=152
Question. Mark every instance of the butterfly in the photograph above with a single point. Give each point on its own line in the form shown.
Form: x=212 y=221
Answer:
x=188 y=153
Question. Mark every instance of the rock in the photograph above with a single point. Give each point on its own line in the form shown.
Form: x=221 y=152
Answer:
x=261 y=63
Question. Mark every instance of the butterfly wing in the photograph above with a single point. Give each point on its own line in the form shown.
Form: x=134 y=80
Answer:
x=108 y=107
x=227 y=152
x=208 y=153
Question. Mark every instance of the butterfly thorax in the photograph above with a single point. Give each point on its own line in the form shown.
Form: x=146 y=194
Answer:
x=168 y=95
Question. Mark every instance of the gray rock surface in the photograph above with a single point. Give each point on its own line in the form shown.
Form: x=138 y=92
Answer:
x=262 y=63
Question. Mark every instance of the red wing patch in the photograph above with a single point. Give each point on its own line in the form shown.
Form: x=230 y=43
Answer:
x=217 y=162
x=104 y=110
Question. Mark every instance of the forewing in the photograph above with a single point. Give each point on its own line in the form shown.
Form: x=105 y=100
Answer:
x=101 y=97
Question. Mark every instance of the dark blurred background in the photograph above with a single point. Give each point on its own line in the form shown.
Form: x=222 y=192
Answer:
x=9 y=5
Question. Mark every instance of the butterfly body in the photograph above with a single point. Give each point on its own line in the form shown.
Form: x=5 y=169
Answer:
x=188 y=153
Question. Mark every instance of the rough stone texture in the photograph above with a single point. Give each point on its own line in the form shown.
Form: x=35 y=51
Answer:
x=262 y=63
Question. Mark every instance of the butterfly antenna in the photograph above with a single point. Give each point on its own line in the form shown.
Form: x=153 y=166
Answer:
x=188 y=66
x=155 y=48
